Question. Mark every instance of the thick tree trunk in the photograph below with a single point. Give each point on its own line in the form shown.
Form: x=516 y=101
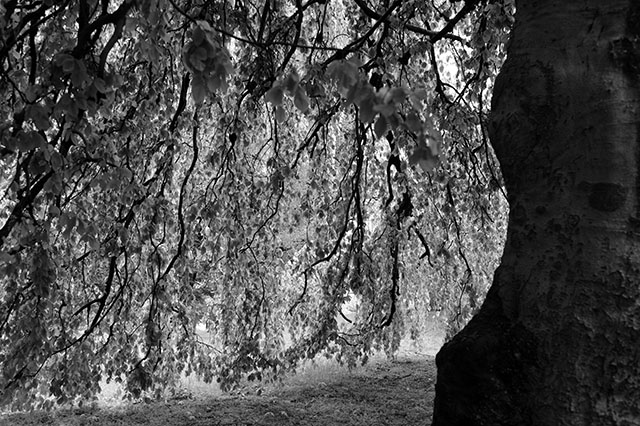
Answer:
x=557 y=341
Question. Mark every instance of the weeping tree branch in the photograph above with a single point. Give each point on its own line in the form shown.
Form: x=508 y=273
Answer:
x=433 y=35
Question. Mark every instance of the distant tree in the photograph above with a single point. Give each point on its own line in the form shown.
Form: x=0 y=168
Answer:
x=556 y=341
x=244 y=166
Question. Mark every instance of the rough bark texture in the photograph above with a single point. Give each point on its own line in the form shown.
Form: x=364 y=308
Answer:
x=557 y=341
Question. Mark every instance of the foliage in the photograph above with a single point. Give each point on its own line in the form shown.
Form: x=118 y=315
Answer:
x=249 y=167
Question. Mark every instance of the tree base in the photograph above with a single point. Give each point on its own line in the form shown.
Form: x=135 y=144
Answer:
x=485 y=374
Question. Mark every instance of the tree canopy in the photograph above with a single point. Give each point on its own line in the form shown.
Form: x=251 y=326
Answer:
x=244 y=166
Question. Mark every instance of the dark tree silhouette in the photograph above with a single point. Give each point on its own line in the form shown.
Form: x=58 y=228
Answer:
x=555 y=342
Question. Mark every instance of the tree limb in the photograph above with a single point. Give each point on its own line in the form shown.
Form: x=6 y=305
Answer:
x=433 y=35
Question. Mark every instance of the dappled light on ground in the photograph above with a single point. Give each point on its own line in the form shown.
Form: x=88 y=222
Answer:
x=385 y=392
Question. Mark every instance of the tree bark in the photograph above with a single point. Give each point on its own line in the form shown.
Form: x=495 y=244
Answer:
x=557 y=341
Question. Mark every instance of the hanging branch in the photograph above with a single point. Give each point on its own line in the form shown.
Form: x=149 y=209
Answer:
x=182 y=102
x=394 y=290
x=433 y=35
x=356 y=44
x=427 y=252
x=183 y=186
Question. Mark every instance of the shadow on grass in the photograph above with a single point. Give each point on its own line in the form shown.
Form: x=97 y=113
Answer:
x=386 y=392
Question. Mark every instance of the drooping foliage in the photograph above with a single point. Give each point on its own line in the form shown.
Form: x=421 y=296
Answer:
x=242 y=168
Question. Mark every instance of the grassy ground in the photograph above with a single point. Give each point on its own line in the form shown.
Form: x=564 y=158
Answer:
x=398 y=392
x=384 y=392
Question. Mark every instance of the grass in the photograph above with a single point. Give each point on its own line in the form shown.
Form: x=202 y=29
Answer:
x=391 y=392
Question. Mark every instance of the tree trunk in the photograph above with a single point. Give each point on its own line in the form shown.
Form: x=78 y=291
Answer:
x=557 y=341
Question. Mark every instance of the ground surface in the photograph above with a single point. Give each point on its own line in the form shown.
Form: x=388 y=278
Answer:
x=385 y=392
